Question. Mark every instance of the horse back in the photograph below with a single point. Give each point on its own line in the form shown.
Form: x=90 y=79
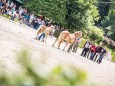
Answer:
x=70 y=38
x=43 y=28
x=63 y=35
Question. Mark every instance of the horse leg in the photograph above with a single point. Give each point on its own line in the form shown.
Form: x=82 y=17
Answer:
x=70 y=47
x=74 y=47
x=59 y=44
x=37 y=34
x=65 y=46
x=54 y=42
x=45 y=38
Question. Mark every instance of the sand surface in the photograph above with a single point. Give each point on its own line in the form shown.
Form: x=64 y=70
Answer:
x=14 y=37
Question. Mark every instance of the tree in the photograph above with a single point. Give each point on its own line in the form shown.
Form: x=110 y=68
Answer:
x=96 y=34
x=53 y=9
x=72 y=14
x=81 y=13
x=109 y=21
x=103 y=7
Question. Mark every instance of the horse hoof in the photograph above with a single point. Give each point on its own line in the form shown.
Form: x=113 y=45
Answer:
x=36 y=38
x=68 y=51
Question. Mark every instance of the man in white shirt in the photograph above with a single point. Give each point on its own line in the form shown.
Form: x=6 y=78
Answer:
x=75 y=44
x=31 y=18
x=12 y=4
x=20 y=11
x=86 y=48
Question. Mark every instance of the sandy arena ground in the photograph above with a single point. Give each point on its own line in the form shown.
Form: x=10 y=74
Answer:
x=14 y=37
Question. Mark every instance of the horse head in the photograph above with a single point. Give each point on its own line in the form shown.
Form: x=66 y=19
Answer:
x=78 y=34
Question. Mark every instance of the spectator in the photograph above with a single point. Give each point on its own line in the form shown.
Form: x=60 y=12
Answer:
x=13 y=15
x=31 y=18
x=93 y=50
x=104 y=51
x=43 y=34
x=13 y=9
x=36 y=24
x=53 y=31
x=85 y=49
x=20 y=11
x=9 y=12
x=74 y=45
x=77 y=44
x=12 y=4
x=98 y=51
x=1 y=4
x=17 y=16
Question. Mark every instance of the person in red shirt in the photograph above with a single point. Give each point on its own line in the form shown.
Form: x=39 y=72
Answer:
x=93 y=50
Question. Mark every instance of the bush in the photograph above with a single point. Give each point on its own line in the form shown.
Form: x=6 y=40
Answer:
x=6 y=16
x=82 y=42
x=42 y=76
x=96 y=34
x=109 y=42
x=57 y=33
x=113 y=56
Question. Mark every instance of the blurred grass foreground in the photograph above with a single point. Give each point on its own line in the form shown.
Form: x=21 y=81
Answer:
x=31 y=76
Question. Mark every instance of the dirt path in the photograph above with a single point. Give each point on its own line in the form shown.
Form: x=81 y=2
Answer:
x=14 y=37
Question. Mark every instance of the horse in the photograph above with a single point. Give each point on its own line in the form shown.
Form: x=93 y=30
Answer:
x=68 y=37
x=44 y=29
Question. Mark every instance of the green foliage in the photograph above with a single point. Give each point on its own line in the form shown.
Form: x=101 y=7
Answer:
x=6 y=16
x=53 y=9
x=43 y=76
x=113 y=55
x=82 y=42
x=96 y=34
x=109 y=21
x=57 y=33
x=113 y=36
x=81 y=13
x=103 y=7
x=73 y=14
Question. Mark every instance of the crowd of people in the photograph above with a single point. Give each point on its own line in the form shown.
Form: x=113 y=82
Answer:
x=20 y=13
x=90 y=50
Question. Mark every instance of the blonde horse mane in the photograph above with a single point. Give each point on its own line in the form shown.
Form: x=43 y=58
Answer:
x=78 y=33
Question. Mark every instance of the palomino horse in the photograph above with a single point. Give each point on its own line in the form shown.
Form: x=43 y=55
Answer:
x=44 y=29
x=68 y=37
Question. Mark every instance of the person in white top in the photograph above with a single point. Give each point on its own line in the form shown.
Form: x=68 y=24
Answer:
x=75 y=45
x=21 y=11
x=10 y=12
x=31 y=19
x=87 y=45
x=14 y=13
x=53 y=31
x=12 y=4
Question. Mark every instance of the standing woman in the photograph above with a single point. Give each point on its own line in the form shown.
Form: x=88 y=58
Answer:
x=104 y=52
x=93 y=50
x=98 y=51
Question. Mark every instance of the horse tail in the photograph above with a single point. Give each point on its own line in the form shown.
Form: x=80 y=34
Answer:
x=41 y=28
